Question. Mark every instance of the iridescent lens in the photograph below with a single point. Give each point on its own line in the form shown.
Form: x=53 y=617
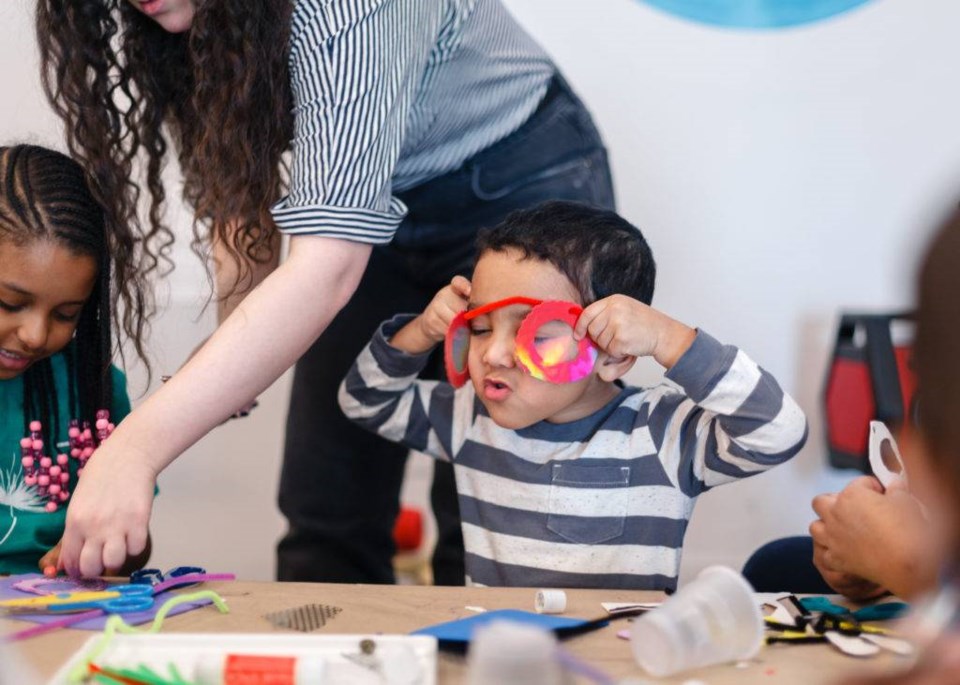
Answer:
x=555 y=343
x=460 y=348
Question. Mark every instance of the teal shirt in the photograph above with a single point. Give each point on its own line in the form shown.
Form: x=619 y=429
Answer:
x=27 y=532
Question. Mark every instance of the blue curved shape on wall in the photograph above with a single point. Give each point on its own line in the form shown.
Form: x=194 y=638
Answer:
x=755 y=14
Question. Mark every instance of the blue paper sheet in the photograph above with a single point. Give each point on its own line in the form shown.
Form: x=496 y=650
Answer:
x=461 y=630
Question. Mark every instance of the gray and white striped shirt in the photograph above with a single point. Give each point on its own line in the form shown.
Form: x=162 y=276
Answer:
x=603 y=501
x=391 y=93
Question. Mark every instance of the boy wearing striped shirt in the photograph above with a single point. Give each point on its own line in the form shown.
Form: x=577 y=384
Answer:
x=588 y=483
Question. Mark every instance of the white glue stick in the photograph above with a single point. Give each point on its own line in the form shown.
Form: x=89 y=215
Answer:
x=550 y=601
x=248 y=669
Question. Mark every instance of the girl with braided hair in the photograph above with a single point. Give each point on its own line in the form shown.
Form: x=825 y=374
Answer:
x=56 y=343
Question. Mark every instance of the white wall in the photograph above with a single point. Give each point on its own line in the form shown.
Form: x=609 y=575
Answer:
x=779 y=177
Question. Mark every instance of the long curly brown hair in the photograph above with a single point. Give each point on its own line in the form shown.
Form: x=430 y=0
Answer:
x=223 y=92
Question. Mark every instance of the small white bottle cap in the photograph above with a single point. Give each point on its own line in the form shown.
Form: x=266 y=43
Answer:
x=550 y=601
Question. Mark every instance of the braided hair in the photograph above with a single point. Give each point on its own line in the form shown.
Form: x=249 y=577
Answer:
x=44 y=196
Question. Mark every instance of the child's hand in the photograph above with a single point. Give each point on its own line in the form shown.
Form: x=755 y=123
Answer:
x=109 y=511
x=49 y=563
x=429 y=329
x=865 y=536
x=624 y=327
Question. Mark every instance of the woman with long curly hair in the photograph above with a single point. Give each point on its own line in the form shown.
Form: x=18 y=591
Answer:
x=410 y=125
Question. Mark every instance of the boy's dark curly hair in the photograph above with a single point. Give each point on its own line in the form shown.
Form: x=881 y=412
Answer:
x=598 y=250
x=116 y=78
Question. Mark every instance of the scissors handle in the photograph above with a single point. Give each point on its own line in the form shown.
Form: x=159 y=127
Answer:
x=126 y=605
x=131 y=598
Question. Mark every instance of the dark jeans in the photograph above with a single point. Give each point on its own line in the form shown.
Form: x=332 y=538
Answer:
x=339 y=487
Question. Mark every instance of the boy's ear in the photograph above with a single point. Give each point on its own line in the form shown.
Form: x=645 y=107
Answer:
x=610 y=368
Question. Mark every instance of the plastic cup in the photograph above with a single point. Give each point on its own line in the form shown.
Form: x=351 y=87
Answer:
x=711 y=620
x=511 y=652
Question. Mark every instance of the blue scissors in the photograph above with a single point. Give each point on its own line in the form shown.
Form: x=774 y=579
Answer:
x=131 y=598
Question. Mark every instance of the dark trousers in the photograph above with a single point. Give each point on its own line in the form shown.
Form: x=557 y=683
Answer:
x=339 y=488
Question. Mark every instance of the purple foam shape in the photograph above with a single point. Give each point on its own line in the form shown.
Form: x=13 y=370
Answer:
x=94 y=622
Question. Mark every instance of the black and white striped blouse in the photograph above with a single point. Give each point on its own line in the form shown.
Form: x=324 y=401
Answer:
x=391 y=93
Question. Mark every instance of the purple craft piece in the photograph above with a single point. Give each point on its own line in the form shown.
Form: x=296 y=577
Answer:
x=50 y=586
x=67 y=621
x=7 y=591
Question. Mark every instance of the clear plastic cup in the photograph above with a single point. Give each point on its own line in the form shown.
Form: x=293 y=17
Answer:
x=713 y=619
x=511 y=652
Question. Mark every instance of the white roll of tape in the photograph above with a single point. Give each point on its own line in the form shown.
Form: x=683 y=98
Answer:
x=550 y=601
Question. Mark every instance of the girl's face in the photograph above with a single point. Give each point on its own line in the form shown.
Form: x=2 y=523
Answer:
x=512 y=397
x=174 y=16
x=43 y=287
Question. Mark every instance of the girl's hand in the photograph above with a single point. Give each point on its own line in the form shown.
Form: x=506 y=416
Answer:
x=109 y=511
x=49 y=563
x=624 y=327
x=427 y=330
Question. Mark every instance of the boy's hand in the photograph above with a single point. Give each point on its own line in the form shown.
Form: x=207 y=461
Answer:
x=624 y=327
x=429 y=329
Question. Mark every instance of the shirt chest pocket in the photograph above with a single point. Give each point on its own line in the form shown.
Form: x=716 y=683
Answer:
x=588 y=504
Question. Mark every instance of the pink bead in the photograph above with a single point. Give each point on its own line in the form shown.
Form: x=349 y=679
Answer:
x=64 y=495
x=87 y=451
x=110 y=427
x=27 y=462
x=54 y=489
x=87 y=434
x=37 y=445
x=45 y=462
x=64 y=477
x=75 y=453
x=26 y=443
x=62 y=459
x=101 y=424
x=50 y=571
x=35 y=426
x=73 y=432
x=55 y=471
x=79 y=471
x=43 y=480
x=30 y=480
x=51 y=507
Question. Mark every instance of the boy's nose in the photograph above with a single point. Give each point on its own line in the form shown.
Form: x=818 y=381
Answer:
x=500 y=352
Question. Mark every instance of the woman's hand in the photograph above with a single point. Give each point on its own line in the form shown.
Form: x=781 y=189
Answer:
x=109 y=512
x=868 y=540
x=272 y=326
x=429 y=328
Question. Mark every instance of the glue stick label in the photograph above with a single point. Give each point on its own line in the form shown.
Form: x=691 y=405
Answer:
x=259 y=670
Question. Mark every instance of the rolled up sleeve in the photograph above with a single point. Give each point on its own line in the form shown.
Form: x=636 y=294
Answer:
x=355 y=68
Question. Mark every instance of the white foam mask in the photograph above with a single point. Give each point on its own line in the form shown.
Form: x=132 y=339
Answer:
x=885 y=457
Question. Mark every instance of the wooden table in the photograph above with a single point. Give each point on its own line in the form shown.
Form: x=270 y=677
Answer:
x=401 y=609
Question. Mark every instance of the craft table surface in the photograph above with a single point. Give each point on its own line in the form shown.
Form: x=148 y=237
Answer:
x=402 y=609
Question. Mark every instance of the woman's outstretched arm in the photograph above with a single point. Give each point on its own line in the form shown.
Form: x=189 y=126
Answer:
x=268 y=331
